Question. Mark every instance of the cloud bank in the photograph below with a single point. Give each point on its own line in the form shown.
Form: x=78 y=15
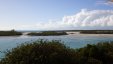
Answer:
x=90 y=18
x=85 y=19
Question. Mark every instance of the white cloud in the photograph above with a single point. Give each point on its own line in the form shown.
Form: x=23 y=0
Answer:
x=83 y=19
x=91 y=18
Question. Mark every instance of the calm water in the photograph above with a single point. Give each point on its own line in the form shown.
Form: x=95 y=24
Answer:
x=73 y=41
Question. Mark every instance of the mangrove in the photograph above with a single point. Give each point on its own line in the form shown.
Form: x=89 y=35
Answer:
x=47 y=33
x=10 y=33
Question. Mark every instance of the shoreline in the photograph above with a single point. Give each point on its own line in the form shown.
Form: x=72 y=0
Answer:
x=104 y=35
x=75 y=35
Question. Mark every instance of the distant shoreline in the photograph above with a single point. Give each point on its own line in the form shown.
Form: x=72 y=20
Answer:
x=52 y=33
x=10 y=33
x=47 y=33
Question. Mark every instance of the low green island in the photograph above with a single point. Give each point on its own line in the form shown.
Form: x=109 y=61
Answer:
x=96 y=31
x=47 y=33
x=10 y=33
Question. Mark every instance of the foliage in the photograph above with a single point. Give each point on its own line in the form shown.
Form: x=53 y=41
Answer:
x=102 y=53
x=40 y=52
x=9 y=33
x=47 y=33
x=53 y=52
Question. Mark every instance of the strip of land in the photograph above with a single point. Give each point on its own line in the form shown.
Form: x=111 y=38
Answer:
x=47 y=33
x=54 y=33
x=10 y=33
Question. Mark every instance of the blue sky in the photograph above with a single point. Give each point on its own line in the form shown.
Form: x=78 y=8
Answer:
x=28 y=14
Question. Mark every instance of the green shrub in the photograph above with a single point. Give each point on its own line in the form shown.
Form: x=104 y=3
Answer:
x=102 y=53
x=40 y=52
x=54 y=52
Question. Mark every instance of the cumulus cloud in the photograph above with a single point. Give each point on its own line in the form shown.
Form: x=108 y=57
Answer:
x=84 y=18
x=91 y=18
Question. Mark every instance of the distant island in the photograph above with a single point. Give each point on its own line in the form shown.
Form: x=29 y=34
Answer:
x=96 y=32
x=47 y=33
x=10 y=33
x=53 y=33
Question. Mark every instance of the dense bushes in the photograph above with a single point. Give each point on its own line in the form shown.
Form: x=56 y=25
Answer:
x=53 y=52
x=40 y=52
x=47 y=33
x=9 y=33
x=101 y=53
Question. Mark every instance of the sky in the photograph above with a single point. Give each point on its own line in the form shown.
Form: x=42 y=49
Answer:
x=56 y=14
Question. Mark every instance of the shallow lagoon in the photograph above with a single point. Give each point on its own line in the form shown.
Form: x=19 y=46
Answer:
x=73 y=41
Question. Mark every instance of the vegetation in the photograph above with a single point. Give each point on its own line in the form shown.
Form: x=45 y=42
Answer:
x=9 y=33
x=53 y=52
x=96 y=31
x=47 y=33
x=102 y=53
x=40 y=52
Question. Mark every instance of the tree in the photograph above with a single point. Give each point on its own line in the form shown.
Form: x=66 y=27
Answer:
x=40 y=52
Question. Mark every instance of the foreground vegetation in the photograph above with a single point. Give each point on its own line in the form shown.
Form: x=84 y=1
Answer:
x=47 y=33
x=40 y=52
x=10 y=33
x=54 y=52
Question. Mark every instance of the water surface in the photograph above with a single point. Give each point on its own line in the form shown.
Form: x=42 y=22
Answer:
x=73 y=41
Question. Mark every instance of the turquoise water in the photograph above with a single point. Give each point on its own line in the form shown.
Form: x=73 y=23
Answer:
x=73 y=41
